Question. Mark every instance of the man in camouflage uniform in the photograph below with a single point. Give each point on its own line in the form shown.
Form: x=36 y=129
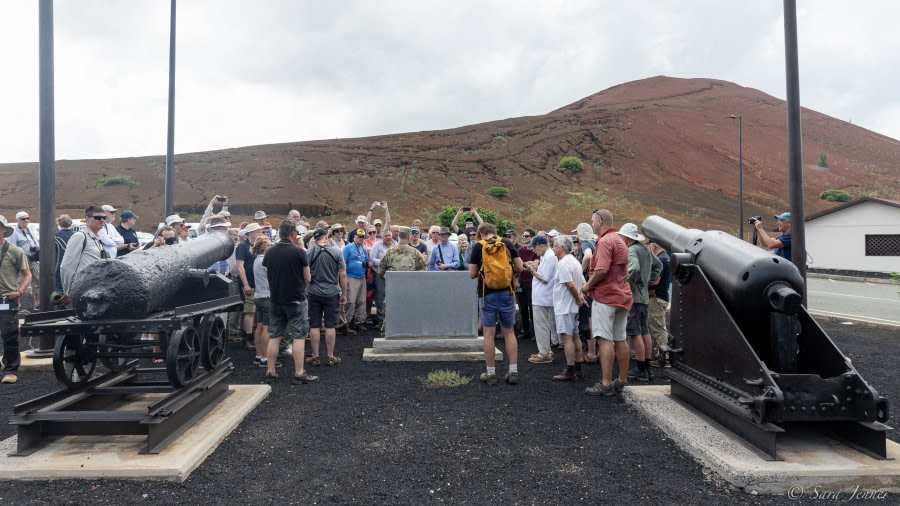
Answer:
x=401 y=257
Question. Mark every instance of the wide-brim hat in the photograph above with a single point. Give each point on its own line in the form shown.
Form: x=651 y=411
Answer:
x=252 y=227
x=630 y=231
x=8 y=228
x=260 y=215
x=444 y=231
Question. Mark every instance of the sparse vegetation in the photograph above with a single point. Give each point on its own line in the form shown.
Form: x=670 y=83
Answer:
x=571 y=163
x=443 y=378
x=113 y=180
x=500 y=138
x=445 y=217
x=498 y=191
x=823 y=160
x=836 y=195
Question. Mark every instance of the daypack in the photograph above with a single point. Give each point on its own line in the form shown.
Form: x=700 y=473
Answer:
x=496 y=269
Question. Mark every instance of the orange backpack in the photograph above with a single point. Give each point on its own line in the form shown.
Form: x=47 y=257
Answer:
x=496 y=268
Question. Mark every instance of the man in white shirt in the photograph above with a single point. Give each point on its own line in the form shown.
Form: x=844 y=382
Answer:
x=110 y=238
x=544 y=273
x=567 y=298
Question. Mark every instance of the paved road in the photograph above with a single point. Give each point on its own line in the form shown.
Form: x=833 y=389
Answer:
x=855 y=300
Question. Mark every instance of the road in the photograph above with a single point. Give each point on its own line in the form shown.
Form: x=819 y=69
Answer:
x=855 y=300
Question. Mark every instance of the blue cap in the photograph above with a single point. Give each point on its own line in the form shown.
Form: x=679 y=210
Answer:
x=538 y=240
x=784 y=216
x=128 y=214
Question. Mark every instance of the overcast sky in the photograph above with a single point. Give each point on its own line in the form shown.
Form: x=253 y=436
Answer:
x=265 y=71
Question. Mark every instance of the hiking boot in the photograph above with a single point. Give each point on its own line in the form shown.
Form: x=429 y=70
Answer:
x=537 y=359
x=490 y=379
x=564 y=376
x=305 y=378
x=618 y=386
x=600 y=390
x=271 y=378
x=638 y=374
x=346 y=329
x=512 y=378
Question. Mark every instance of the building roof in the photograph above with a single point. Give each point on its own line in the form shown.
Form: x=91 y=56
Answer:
x=860 y=200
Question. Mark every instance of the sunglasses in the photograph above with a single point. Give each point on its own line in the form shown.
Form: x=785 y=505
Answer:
x=372 y=232
x=99 y=218
x=526 y=235
x=24 y=219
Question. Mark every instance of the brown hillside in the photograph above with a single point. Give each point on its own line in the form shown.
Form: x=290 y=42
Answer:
x=660 y=145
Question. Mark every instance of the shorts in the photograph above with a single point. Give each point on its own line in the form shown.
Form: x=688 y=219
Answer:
x=567 y=324
x=498 y=303
x=263 y=310
x=318 y=305
x=249 y=304
x=608 y=322
x=289 y=318
x=638 y=320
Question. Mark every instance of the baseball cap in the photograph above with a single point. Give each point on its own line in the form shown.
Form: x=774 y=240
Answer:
x=108 y=208
x=553 y=233
x=414 y=230
x=377 y=222
x=510 y=232
x=319 y=233
x=782 y=216
x=129 y=214
x=360 y=233
x=362 y=219
x=538 y=240
x=174 y=218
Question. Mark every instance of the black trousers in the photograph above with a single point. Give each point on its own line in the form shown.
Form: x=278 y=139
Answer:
x=523 y=297
x=9 y=328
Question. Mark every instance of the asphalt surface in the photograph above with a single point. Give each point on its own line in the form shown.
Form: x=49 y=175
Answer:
x=855 y=300
x=373 y=433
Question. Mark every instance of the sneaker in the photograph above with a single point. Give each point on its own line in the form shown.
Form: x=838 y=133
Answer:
x=490 y=379
x=618 y=386
x=271 y=378
x=537 y=359
x=265 y=363
x=257 y=360
x=313 y=361
x=650 y=375
x=638 y=374
x=305 y=378
x=600 y=390
x=333 y=361
x=563 y=376
x=512 y=378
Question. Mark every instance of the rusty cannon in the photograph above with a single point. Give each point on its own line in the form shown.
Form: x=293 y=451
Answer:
x=745 y=351
x=160 y=304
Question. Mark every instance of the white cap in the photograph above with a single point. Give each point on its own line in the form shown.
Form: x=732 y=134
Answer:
x=377 y=222
x=553 y=233
x=362 y=219
x=21 y=214
x=252 y=227
x=174 y=218
x=108 y=208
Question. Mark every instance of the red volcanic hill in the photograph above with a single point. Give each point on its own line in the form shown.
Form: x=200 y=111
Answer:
x=656 y=146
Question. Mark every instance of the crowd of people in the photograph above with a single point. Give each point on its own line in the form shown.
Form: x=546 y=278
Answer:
x=600 y=294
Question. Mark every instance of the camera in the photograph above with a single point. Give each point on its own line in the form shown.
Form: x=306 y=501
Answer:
x=35 y=254
x=753 y=219
x=223 y=199
x=171 y=240
x=466 y=209
x=56 y=297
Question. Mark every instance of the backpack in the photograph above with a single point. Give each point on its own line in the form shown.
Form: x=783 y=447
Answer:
x=496 y=268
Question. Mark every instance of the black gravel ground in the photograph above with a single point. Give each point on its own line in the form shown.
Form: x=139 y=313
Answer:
x=373 y=433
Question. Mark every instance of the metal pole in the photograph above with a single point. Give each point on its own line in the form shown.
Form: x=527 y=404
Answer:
x=741 y=172
x=170 y=139
x=795 y=155
x=46 y=168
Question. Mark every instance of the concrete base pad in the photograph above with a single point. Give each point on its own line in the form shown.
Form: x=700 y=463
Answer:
x=34 y=364
x=430 y=349
x=118 y=456
x=812 y=464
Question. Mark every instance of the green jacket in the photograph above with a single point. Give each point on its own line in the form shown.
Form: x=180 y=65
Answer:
x=643 y=267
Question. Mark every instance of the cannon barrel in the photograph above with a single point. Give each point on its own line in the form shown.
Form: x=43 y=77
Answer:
x=750 y=281
x=141 y=282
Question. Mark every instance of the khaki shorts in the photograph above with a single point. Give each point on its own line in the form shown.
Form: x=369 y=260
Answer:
x=608 y=322
x=249 y=304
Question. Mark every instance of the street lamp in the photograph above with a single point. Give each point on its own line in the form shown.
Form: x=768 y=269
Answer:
x=740 y=172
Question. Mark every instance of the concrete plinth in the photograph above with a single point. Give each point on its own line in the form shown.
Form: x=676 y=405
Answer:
x=118 y=457
x=28 y=363
x=428 y=350
x=813 y=466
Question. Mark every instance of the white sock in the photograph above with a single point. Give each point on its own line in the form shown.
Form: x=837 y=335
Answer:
x=260 y=357
x=513 y=367
x=491 y=370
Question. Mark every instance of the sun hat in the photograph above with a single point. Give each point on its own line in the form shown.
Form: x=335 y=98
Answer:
x=553 y=233
x=362 y=219
x=252 y=227
x=630 y=231
x=260 y=215
x=9 y=229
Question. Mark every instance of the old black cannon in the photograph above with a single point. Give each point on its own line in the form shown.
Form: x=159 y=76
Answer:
x=745 y=351
x=162 y=298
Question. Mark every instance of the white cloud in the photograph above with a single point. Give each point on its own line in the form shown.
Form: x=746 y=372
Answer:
x=253 y=72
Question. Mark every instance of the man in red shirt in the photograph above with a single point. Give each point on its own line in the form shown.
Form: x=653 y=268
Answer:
x=608 y=287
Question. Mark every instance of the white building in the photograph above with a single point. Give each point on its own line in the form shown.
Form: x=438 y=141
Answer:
x=860 y=235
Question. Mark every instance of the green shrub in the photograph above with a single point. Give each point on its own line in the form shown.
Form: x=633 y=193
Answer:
x=445 y=219
x=500 y=138
x=109 y=181
x=446 y=379
x=835 y=195
x=823 y=160
x=498 y=191
x=571 y=163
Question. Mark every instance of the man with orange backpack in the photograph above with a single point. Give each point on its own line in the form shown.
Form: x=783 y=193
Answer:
x=494 y=262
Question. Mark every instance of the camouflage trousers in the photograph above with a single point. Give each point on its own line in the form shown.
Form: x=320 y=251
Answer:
x=657 y=320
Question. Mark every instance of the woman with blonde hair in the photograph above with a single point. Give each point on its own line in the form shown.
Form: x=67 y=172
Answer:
x=261 y=299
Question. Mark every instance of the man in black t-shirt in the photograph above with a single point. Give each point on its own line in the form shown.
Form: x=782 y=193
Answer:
x=494 y=302
x=125 y=228
x=287 y=269
x=243 y=262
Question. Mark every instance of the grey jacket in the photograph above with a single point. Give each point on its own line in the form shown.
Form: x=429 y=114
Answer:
x=83 y=248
